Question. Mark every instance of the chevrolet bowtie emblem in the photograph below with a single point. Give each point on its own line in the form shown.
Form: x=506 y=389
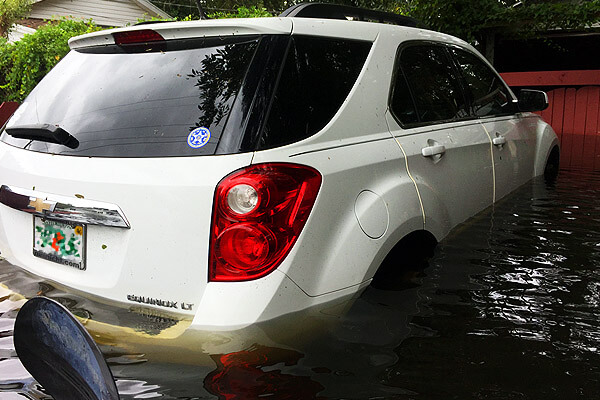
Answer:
x=40 y=205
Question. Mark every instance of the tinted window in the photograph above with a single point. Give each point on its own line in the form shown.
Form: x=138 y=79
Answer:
x=488 y=94
x=402 y=105
x=434 y=86
x=122 y=104
x=316 y=78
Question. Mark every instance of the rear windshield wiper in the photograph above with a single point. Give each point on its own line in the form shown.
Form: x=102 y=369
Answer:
x=44 y=133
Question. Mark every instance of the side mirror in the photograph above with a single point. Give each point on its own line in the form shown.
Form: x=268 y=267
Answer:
x=532 y=100
x=59 y=353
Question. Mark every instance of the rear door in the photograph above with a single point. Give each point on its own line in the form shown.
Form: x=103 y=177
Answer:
x=448 y=153
x=513 y=142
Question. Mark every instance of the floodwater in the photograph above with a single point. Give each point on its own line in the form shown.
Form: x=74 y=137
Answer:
x=508 y=308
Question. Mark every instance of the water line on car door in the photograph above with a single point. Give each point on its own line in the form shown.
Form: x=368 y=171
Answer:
x=411 y=178
x=493 y=163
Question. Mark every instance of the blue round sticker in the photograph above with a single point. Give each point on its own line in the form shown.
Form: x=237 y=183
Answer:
x=198 y=137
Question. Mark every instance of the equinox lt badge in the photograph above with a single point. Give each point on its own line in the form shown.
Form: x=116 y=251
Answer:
x=159 y=302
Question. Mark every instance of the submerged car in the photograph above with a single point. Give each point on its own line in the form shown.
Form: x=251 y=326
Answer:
x=233 y=171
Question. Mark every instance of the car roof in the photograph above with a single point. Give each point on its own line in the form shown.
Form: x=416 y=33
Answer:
x=356 y=30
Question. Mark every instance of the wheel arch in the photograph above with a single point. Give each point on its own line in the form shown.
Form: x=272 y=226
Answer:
x=546 y=143
x=410 y=253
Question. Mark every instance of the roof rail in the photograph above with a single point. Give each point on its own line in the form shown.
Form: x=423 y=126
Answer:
x=336 y=11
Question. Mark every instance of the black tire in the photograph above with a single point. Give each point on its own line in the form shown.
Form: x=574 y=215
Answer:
x=405 y=262
x=552 y=166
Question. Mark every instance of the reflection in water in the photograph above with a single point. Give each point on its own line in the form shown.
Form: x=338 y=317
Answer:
x=507 y=309
x=244 y=375
x=521 y=324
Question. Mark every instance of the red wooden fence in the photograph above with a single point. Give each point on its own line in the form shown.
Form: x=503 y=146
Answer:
x=574 y=112
x=6 y=110
x=552 y=78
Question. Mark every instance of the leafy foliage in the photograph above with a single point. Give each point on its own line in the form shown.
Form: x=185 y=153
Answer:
x=242 y=12
x=24 y=63
x=468 y=19
x=382 y=5
x=5 y=55
x=11 y=11
x=532 y=16
x=220 y=8
x=154 y=19
x=473 y=19
x=179 y=9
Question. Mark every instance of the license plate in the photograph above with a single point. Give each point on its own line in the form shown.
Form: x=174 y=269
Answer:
x=59 y=242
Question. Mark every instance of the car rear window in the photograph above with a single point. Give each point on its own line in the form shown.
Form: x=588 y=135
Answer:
x=191 y=97
x=139 y=104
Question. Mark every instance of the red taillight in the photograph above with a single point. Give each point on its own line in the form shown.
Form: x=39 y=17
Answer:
x=258 y=214
x=137 y=37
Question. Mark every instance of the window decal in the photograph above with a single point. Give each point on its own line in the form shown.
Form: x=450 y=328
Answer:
x=198 y=137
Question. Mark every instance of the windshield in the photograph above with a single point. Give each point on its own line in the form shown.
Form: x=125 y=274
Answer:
x=139 y=104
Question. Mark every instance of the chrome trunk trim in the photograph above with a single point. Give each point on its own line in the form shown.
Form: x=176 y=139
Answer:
x=63 y=208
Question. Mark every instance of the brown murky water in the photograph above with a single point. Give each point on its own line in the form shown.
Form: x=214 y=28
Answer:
x=507 y=309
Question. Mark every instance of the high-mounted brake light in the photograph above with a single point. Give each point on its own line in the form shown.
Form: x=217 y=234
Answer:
x=258 y=214
x=137 y=37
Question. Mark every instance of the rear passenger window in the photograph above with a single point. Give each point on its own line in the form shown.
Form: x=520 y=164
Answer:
x=316 y=79
x=488 y=94
x=402 y=102
x=426 y=71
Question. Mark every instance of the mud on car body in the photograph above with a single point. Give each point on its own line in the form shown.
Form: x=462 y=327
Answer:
x=233 y=171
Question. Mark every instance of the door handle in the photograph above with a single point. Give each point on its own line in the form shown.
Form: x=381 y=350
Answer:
x=431 y=151
x=499 y=141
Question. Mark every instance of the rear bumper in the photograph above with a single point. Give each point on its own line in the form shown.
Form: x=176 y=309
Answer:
x=224 y=306
x=159 y=264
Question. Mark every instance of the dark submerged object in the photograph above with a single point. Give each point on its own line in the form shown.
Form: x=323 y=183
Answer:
x=60 y=354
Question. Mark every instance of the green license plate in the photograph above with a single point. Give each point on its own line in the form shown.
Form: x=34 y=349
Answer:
x=60 y=242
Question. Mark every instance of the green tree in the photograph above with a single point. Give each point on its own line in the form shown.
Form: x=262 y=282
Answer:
x=475 y=20
x=10 y=12
x=179 y=9
x=242 y=12
x=468 y=19
x=381 y=5
x=24 y=63
x=182 y=8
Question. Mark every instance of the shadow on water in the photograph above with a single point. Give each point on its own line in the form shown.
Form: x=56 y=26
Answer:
x=506 y=309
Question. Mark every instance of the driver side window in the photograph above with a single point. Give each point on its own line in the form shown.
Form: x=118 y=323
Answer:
x=489 y=95
x=427 y=88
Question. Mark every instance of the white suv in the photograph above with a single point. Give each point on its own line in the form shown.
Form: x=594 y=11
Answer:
x=232 y=171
